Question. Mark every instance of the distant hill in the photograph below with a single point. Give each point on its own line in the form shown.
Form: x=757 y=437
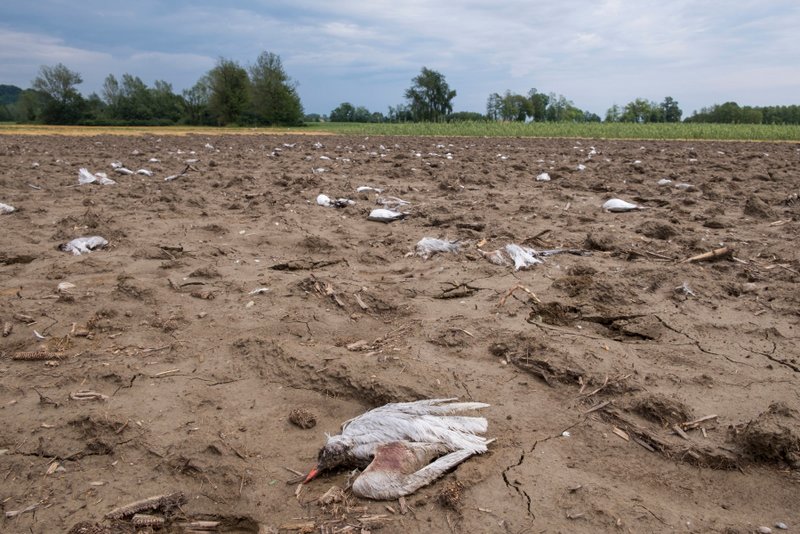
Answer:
x=9 y=94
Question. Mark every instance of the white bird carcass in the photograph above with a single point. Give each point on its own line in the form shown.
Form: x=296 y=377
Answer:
x=386 y=216
x=618 y=205
x=85 y=177
x=328 y=202
x=428 y=246
x=84 y=245
x=512 y=254
x=399 y=440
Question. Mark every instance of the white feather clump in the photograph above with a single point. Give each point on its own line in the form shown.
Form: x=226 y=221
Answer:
x=5 y=208
x=428 y=246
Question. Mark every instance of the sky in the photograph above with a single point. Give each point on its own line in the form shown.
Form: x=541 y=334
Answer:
x=596 y=53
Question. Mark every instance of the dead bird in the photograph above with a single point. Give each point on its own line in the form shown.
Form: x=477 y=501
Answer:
x=399 y=440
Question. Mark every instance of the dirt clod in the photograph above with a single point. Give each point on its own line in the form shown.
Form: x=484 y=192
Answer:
x=302 y=418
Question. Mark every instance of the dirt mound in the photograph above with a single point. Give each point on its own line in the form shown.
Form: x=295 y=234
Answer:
x=772 y=437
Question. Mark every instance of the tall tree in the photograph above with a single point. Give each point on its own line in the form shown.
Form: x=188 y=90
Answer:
x=399 y=113
x=274 y=97
x=229 y=87
x=63 y=103
x=166 y=105
x=494 y=106
x=670 y=110
x=344 y=112
x=539 y=102
x=136 y=101
x=515 y=107
x=430 y=98
x=639 y=110
x=195 y=102
x=614 y=114
x=112 y=95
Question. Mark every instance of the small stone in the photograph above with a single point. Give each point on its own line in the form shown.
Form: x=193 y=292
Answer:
x=201 y=315
x=749 y=287
x=764 y=530
x=781 y=526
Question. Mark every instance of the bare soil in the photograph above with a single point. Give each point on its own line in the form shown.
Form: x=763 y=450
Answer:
x=630 y=390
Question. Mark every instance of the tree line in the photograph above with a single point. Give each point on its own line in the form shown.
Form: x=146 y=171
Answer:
x=264 y=94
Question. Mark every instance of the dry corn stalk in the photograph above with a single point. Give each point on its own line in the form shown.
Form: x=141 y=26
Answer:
x=146 y=520
x=23 y=318
x=87 y=395
x=38 y=355
x=199 y=525
x=170 y=500
x=7 y=328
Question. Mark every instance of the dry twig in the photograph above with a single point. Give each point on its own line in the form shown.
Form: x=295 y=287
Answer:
x=511 y=291
x=167 y=501
x=717 y=253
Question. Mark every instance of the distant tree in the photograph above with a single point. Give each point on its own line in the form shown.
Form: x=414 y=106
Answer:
x=112 y=95
x=613 y=114
x=274 y=98
x=510 y=106
x=9 y=94
x=362 y=114
x=195 y=102
x=751 y=115
x=539 y=102
x=229 y=87
x=559 y=109
x=430 y=97
x=63 y=103
x=95 y=108
x=639 y=110
x=29 y=105
x=591 y=117
x=347 y=112
x=466 y=116
x=166 y=105
x=399 y=113
x=494 y=106
x=729 y=112
x=344 y=112
x=312 y=117
x=135 y=101
x=671 y=111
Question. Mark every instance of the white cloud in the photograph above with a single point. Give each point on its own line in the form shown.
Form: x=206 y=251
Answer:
x=595 y=52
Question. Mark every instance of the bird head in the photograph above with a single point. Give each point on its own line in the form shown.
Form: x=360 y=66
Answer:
x=333 y=454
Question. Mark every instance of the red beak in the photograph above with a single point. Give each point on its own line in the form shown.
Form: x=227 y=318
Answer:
x=311 y=474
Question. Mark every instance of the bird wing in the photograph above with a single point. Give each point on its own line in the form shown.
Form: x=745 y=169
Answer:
x=386 y=484
x=424 y=421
